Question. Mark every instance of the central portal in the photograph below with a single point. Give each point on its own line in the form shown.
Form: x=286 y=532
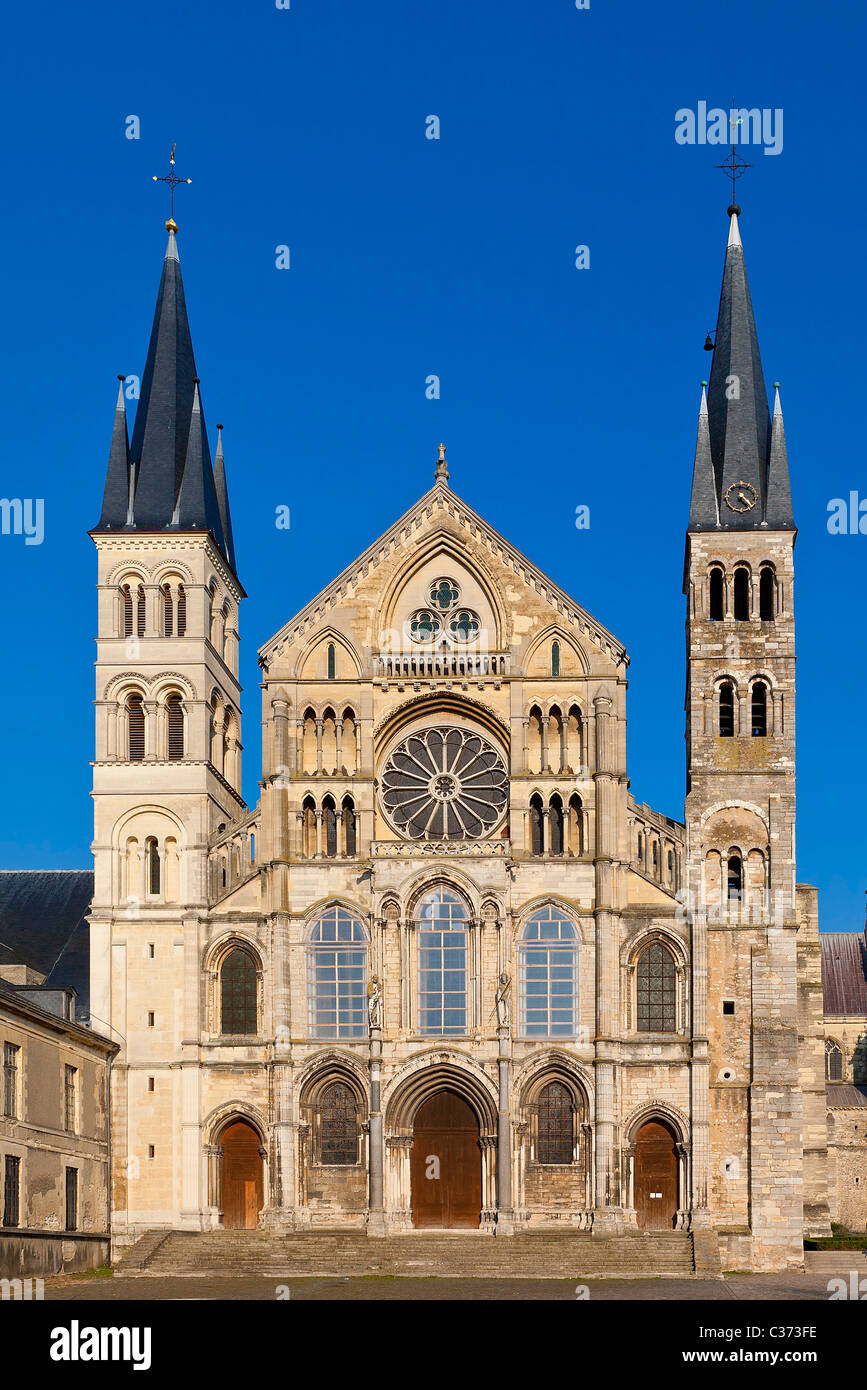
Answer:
x=656 y=1194
x=446 y=1163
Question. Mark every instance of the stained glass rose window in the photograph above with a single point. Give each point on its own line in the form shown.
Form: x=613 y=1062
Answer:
x=444 y=784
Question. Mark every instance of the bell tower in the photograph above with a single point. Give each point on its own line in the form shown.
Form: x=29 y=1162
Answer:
x=747 y=1160
x=167 y=765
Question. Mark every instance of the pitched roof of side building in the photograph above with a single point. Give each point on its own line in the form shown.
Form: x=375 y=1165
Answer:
x=844 y=974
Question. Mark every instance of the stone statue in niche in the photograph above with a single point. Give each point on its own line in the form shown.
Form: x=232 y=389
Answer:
x=374 y=1003
x=504 y=1001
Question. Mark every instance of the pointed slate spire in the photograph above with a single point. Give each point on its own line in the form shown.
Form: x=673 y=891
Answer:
x=197 y=508
x=115 y=501
x=223 y=498
x=703 y=509
x=737 y=401
x=778 y=511
x=162 y=422
x=739 y=423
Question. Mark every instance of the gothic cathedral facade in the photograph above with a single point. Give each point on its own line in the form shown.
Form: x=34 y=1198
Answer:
x=448 y=973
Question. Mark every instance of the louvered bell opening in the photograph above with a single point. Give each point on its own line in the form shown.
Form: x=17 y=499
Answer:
x=168 y=613
x=175 y=713
x=126 y=597
x=182 y=611
x=135 y=715
x=140 y=611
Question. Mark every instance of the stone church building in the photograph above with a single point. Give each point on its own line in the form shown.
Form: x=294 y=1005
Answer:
x=448 y=973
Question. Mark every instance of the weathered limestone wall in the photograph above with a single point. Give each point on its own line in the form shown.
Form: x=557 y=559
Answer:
x=811 y=1052
x=39 y=1137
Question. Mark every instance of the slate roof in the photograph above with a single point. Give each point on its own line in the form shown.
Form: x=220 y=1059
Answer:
x=42 y=924
x=21 y=1002
x=844 y=974
x=840 y=1095
x=164 y=479
x=737 y=443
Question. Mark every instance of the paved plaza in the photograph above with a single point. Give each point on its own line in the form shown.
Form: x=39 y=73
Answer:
x=734 y=1288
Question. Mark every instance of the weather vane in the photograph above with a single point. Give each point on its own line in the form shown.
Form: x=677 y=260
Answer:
x=734 y=165
x=172 y=180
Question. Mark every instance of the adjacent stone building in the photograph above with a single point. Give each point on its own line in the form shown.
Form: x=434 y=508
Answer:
x=54 y=1131
x=448 y=972
x=844 y=976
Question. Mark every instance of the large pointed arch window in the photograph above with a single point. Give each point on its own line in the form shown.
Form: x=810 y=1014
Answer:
x=656 y=979
x=338 y=1125
x=238 y=993
x=833 y=1061
x=555 y=1110
x=337 y=975
x=549 y=975
x=443 y=966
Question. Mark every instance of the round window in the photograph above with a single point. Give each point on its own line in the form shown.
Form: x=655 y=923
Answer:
x=444 y=784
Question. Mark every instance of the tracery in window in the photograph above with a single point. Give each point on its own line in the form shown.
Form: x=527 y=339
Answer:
x=337 y=975
x=656 y=986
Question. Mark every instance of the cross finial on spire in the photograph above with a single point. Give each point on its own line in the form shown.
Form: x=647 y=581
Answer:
x=172 y=180
x=442 y=472
x=734 y=165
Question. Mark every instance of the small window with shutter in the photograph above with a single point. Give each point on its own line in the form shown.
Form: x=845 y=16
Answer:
x=168 y=611
x=136 y=719
x=126 y=610
x=175 y=719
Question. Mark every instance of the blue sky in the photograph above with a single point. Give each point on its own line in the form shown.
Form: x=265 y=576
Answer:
x=410 y=257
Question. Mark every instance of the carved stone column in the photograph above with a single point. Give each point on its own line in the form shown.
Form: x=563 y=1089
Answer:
x=376 y=1212
x=505 y=1210
x=281 y=1196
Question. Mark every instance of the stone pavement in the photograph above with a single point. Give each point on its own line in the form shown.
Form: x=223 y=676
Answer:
x=734 y=1288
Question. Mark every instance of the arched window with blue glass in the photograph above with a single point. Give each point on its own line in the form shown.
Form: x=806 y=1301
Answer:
x=442 y=939
x=549 y=975
x=555 y=658
x=337 y=948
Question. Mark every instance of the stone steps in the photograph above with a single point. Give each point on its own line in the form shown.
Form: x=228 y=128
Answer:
x=283 y=1255
x=837 y=1262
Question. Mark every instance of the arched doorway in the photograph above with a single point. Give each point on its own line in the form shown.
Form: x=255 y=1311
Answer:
x=242 y=1192
x=446 y=1163
x=655 y=1177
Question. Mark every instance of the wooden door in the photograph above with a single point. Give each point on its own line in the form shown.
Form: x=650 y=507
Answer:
x=446 y=1163
x=242 y=1177
x=655 y=1177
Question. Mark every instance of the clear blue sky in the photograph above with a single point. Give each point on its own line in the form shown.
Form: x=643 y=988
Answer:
x=409 y=256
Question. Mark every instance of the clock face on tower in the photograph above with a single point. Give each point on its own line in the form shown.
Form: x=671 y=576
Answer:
x=741 y=497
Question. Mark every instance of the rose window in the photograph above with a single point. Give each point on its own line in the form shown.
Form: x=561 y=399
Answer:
x=444 y=594
x=424 y=626
x=464 y=626
x=444 y=784
x=445 y=619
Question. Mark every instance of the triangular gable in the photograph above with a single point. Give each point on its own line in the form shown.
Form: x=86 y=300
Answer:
x=441 y=498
